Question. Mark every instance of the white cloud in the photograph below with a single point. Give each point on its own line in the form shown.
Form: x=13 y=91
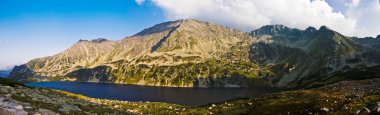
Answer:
x=139 y=2
x=367 y=14
x=358 y=17
x=247 y=15
x=351 y=3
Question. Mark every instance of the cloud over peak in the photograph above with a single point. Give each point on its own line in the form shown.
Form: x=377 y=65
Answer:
x=247 y=15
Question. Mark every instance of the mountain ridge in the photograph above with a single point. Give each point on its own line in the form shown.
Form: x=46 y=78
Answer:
x=193 y=53
x=328 y=48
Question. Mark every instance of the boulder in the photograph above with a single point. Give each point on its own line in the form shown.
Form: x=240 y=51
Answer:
x=19 y=107
x=325 y=109
x=3 y=90
x=46 y=112
x=69 y=108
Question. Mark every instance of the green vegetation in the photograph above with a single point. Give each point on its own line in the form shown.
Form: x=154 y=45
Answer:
x=58 y=78
x=9 y=82
x=187 y=74
x=340 y=98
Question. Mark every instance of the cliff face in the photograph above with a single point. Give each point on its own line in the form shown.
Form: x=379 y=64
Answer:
x=192 y=53
x=186 y=53
x=306 y=58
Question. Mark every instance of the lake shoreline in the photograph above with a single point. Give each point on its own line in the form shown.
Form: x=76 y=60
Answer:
x=190 y=96
x=337 y=98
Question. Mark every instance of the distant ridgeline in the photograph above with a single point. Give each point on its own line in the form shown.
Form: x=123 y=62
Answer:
x=192 y=53
x=4 y=72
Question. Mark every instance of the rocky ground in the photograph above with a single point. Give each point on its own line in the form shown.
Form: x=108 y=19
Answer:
x=21 y=100
x=347 y=97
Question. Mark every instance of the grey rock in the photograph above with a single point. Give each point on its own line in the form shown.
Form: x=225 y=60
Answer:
x=325 y=109
x=22 y=95
x=3 y=90
x=46 y=112
x=8 y=95
x=19 y=107
x=69 y=108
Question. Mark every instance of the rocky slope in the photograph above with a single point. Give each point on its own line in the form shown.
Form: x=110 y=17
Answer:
x=192 y=53
x=311 y=57
x=186 y=53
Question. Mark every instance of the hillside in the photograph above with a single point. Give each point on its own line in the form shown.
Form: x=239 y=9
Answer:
x=182 y=53
x=311 y=57
x=192 y=53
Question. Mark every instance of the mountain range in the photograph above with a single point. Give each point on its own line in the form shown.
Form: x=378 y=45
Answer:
x=193 y=53
x=5 y=71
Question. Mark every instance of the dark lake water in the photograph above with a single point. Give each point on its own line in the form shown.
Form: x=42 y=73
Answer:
x=183 y=96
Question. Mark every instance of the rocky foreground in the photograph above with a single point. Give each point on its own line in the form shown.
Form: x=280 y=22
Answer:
x=347 y=97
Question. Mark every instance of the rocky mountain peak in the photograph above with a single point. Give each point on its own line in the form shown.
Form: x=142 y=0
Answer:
x=80 y=40
x=280 y=27
x=310 y=29
x=325 y=28
x=177 y=53
x=191 y=35
x=171 y=25
x=188 y=20
x=99 y=40
x=274 y=30
x=327 y=32
x=186 y=23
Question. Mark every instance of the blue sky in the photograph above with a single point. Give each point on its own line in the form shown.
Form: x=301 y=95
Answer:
x=38 y=28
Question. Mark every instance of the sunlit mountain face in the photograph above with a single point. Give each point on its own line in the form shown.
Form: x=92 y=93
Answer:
x=193 y=53
x=201 y=57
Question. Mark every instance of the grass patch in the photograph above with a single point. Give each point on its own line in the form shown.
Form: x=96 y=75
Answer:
x=10 y=82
